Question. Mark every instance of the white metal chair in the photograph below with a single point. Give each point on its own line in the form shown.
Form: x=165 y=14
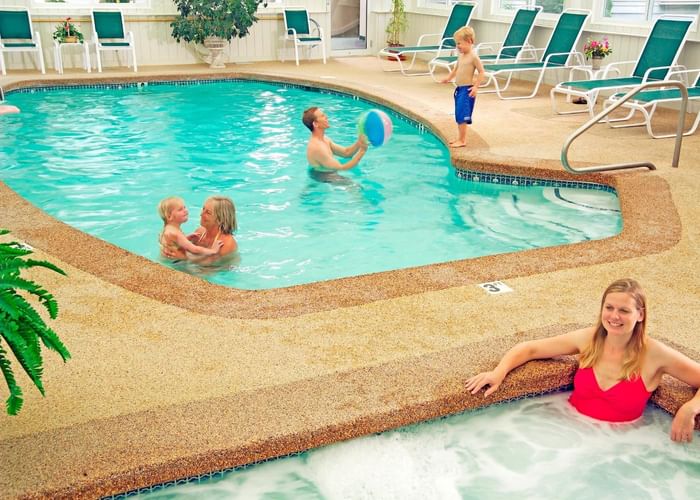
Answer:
x=17 y=35
x=109 y=34
x=298 y=32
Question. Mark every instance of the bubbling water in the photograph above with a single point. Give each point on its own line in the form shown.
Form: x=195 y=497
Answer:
x=532 y=448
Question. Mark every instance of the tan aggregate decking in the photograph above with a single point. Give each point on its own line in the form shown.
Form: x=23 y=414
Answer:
x=172 y=376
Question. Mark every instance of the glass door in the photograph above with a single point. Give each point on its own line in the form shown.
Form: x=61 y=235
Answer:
x=348 y=27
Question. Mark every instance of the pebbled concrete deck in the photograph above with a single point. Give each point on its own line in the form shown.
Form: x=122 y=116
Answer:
x=173 y=377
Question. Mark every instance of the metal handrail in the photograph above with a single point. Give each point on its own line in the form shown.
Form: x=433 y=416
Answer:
x=607 y=111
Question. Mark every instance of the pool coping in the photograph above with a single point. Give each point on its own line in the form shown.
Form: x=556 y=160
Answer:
x=646 y=205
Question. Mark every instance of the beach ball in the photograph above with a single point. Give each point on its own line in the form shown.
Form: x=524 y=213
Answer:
x=376 y=125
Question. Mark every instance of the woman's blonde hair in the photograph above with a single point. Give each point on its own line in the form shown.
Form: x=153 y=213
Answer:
x=166 y=206
x=636 y=347
x=225 y=213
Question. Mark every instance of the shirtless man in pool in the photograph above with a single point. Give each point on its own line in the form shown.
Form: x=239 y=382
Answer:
x=321 y=149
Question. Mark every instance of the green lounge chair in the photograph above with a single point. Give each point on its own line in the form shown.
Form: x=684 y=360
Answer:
x=108 y=34
x=17 y=35
x=658 y=58
x=560 y=53
x=646 y=103
x=297 y=31
x=496 y=52
x=459 y=16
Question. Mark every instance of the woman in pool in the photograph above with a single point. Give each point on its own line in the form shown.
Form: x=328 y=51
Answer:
x=217 y=224
x=619 y=366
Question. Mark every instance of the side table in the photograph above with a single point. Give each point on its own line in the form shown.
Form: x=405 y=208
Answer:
x=58 y=57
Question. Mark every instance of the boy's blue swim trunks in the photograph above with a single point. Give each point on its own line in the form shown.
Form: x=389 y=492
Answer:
x=464 y=104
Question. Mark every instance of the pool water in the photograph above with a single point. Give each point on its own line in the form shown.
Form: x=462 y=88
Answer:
x=100 y=159
x=532 y=448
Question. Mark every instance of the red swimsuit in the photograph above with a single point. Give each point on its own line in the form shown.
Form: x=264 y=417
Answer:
x=623 y=402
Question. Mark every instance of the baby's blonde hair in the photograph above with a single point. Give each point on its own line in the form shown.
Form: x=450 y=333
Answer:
x=465 y=33
x=166 y=206
x=225 y=213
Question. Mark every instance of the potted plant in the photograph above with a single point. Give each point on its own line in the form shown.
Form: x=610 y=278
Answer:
x=398 y=22
x=22 y=329
x=66 y=32
x=596 y=50
x=212 y=23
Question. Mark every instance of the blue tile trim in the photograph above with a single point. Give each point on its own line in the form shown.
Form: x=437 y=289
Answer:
x=519 y=180
x=123 y=85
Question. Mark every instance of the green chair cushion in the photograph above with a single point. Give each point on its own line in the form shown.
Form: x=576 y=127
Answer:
x=297 y=20
x=662 y=47
x=663 y=95
x=18 y=44
x=108 y=24
x=629 y=81
x=15 y=24
x=114 y=44
x=493 y=68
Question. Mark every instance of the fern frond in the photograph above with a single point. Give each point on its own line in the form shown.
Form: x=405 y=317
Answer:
x=50 y=339
x=25 y=352
x=14 y=402
x=9 y=305
x=47 y=265
x=13 y=250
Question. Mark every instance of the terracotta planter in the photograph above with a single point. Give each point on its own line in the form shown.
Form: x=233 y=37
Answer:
x=397 y=45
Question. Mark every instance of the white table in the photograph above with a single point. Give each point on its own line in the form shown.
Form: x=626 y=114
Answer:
x=591 y=73
x=58 y=57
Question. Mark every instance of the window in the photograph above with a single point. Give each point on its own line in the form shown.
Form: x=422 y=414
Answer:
x=91 y=3
x=647 y=10
x=548 y=6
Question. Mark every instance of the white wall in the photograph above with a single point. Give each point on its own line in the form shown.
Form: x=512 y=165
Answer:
x=155 y=46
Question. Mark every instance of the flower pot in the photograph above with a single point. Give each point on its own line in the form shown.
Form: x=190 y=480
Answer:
x=70 y=39
x=596 y=61
x=215 y=45
x=398 y=47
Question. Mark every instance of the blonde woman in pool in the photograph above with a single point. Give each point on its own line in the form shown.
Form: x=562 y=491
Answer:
x=173 y=242
x=217 y=224
x=619 y=366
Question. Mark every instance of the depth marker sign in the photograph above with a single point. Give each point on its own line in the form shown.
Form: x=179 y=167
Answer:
x=495 y=287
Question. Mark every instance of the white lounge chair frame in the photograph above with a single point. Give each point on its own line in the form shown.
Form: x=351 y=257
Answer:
x=591 y=95
x=490 y=48
x=444 y=47
x=648 y=108
x=574 y=58
x=35 y=40
x=302 y=40
x=126 y=43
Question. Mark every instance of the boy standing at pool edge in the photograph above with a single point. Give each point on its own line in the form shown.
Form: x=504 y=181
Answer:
x=467 y=74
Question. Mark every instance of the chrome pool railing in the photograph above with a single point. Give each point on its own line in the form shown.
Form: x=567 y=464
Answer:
x=605 y=112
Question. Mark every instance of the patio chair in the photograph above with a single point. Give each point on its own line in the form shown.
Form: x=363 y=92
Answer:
x=646 y=103
x=298 y=32
x=496 y=52
x=17 y=35
x=108 y=34
x=459 y=16
x=657 y=59
x=559 y=54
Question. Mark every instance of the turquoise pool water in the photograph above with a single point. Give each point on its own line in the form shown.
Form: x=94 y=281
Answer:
x=536 y=448
x=100 y=159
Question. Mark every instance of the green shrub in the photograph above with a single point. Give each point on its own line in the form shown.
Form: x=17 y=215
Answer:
x=21 y=327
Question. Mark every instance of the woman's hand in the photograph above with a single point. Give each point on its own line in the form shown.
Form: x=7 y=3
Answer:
x=683 y=424
x=478 y=382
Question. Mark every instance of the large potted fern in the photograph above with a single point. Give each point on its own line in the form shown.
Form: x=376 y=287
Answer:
x=21 y=326
x=213 y=23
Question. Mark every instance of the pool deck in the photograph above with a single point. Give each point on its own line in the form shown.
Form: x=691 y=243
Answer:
x=172 y=377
